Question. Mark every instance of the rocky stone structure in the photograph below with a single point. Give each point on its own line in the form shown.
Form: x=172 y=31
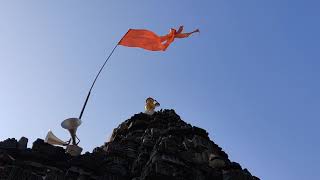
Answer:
x=145 y=147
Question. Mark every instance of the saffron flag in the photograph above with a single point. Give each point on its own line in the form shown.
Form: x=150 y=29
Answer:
x=150 y=41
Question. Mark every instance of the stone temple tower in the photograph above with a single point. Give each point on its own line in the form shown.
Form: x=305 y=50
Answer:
x=160 y=146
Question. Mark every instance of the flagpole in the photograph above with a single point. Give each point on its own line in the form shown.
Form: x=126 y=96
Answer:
x=95 y=79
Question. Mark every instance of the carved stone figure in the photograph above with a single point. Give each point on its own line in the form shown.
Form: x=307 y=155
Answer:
x=151 y=105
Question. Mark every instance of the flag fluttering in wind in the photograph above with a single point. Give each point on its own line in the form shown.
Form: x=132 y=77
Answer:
x=143 y=39
x=150 y=41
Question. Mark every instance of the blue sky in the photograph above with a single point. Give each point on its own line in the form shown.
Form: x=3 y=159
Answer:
x=250 y=78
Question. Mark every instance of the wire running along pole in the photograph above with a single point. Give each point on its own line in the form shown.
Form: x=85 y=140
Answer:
x=95 y=79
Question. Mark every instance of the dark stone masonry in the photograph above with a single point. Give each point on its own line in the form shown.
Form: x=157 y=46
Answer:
x=144 y=147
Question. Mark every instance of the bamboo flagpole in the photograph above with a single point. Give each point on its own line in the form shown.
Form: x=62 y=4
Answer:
x=94 y=82
x=98 y=74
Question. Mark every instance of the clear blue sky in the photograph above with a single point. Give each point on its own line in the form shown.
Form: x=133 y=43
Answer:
x=251 y=78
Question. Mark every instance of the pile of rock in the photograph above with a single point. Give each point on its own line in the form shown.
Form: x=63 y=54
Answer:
x=144 y=147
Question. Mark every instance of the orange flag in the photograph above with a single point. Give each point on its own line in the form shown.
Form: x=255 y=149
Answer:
x=150 y=41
